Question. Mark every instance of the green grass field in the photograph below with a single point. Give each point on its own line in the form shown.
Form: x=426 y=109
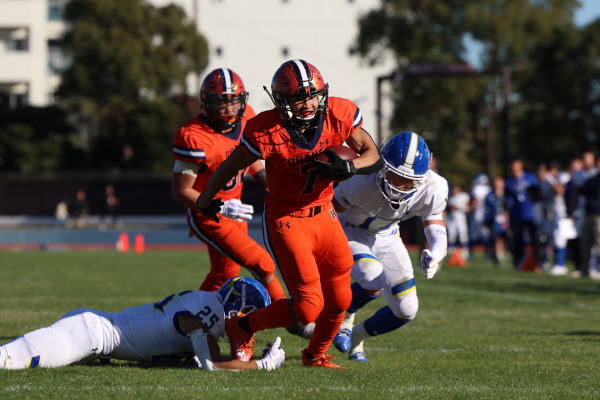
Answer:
x=481 y=332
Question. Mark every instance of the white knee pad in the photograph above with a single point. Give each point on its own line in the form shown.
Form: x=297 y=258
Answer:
x=404 y=306
x=368 y=272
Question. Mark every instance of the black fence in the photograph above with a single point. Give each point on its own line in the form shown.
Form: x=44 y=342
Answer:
x=139 y=194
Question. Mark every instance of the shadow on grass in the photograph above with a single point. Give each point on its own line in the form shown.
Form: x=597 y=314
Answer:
x=583 y=333
x=581 y=288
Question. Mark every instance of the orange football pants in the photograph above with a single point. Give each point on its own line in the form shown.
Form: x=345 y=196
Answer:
x=314 y=259
x=230 y=247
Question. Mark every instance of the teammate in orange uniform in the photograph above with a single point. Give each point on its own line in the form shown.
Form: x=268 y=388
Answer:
x=200 y=147
x=301 y=228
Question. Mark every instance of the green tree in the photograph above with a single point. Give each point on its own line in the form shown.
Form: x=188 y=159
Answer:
x=560 y=95
x=34 y=139
x=457 y=116
x=130 y=62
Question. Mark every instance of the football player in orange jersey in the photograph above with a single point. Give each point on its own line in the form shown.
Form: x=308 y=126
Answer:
x=300 y=226
x=201 y=145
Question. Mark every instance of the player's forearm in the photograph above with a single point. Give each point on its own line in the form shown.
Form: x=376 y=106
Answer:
x=182 y=189
x=236 y=365
x=187 y=197
x=368 y=159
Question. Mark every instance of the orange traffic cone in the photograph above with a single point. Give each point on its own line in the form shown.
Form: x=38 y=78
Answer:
x=123 y=243
x=528 y=262
x=456 y=259
x=139 y=243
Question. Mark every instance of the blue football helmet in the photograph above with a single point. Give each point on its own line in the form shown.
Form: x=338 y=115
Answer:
x=481 y=179
x=407 y=156
x=242 y=294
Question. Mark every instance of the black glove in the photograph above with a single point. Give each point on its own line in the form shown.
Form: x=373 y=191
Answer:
x=337 y=169
x=213 y=208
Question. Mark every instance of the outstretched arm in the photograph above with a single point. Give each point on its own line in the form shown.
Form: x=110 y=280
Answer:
x=208 y=353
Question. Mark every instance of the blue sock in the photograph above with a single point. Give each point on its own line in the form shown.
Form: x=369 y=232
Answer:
x=359 y=297
x=383 y=321
x=560 y=255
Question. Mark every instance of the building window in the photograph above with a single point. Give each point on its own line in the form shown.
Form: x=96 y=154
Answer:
x=56 y=10
x=57 y=61
x=21 y=45
x=17 y=39
x=17 y=100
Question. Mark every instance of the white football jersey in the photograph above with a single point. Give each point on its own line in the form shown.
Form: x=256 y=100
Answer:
x=368 y=209
x=150 y=332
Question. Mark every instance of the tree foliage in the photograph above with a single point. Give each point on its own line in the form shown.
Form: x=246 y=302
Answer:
x=460 y=116
x=130 y=61
x=559 y=91
x=34 y=139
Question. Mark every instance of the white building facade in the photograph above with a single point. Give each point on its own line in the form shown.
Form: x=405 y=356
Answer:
x=30 y=59
x=251 y=37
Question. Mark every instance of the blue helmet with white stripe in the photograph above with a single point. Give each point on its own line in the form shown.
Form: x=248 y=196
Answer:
x=242 y=294
x=406 y=166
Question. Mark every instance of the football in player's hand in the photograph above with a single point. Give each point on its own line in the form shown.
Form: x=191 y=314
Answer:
x=345 y=153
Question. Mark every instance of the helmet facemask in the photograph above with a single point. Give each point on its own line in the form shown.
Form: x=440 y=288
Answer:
x=219 y=90
x=296 y=81
x=242 y=295
x=230 y=298
x=390 y=190
x=224 y=121
x=406 y=166
x=284 y=101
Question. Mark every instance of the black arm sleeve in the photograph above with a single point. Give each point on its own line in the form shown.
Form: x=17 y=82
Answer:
x=371 y=168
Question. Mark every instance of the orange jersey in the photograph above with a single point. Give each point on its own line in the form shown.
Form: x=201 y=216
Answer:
x=293 y=183
x=198 y=143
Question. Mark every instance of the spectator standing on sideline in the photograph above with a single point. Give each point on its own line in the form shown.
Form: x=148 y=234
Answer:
x=301 y=227
x=590 y=230
x=577 y=204
x=457 y=225
x=478 y=231
x=564 y=228
x=201 y=145
x=111 y=205
x=497 y=220
x=573 y=213
x=520 y=209
x=544 y=216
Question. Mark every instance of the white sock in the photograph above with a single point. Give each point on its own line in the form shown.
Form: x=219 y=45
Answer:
x=348 y=321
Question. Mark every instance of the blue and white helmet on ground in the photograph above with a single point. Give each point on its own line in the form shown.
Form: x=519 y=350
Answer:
x=242 y=294
x=406 y=158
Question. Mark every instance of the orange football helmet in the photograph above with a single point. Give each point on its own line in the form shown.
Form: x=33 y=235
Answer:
x=221 y=87
x=297 y=79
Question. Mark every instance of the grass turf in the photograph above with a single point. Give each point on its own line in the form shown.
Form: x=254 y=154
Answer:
x=481 y=332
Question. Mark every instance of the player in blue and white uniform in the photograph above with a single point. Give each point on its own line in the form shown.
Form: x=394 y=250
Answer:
x=370 y=208
x=183 y=325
